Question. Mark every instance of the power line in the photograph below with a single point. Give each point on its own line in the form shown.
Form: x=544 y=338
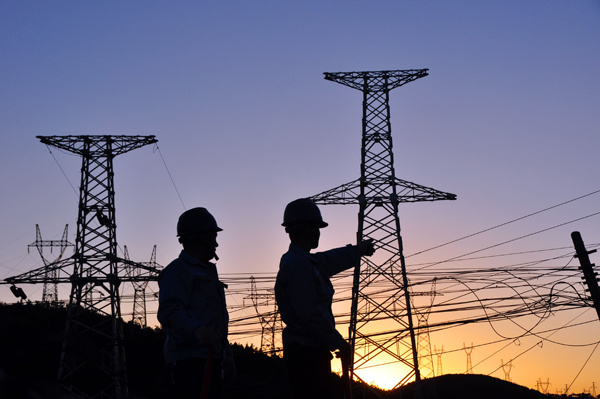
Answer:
x=505 y=255
x=157 y=148
x=61 y=169
x=514 y=239
x=584 y=364
x=505 y=223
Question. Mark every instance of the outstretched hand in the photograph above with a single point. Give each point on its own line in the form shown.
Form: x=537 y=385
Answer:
x=366 y=248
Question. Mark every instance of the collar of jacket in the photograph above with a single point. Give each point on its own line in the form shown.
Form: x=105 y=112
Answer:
x=195 y=261
x=297 y=250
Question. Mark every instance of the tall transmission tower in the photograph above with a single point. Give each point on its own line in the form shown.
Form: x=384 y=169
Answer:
x=50 y=288
x=378 y=192
x=92 y=363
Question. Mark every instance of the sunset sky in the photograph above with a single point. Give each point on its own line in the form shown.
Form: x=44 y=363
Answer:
x=508 y=120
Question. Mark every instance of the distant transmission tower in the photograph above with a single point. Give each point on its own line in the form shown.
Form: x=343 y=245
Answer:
x=423 y=340
x=270 y=321
x=440 y=369
x=468 y=351
x=546 y=386
x=136 y=273
x=92 y=363
x=50 y=288
x=378 y=192
x=506 y=368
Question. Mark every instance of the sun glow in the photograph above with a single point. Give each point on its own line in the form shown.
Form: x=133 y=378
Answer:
x=384 y=376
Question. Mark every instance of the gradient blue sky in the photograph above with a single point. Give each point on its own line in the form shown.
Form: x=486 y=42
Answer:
x=508 y=120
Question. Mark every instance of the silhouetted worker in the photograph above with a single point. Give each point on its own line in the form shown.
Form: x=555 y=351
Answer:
x=304 y=295
x=192 y=311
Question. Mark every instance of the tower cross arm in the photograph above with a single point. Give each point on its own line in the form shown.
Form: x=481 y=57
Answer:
x=376 y=80
x=65 y=275
x=40 y=275
x=95 y=146
x=344 y=194
x=149 y=269
x=413 y=192
x=398 y=190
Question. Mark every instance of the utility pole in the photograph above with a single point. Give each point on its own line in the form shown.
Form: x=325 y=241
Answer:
x=378 y=192
x=589 y=275
x=50 y=289
x=92 y=363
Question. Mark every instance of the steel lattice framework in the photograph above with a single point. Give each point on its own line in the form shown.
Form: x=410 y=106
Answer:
x=50 y=290
x=377 y=193
x=92 y=363
x=139 y=286
x=270 y=322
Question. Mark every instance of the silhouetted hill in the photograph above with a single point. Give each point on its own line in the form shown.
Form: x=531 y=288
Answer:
x=31 y=337
x=468 y=386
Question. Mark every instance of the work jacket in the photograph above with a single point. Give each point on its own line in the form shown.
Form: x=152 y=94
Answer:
x=191 y=296
x=304 y=295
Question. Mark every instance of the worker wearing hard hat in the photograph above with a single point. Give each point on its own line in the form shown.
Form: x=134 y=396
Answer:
x=304 y=295
x=193 y=313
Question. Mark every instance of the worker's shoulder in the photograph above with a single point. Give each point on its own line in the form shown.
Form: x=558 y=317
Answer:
x=178 y=268
x=175 y=264
x=293 y=264
x=295 y=258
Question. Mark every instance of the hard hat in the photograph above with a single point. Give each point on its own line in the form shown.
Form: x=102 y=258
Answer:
x=302 y=210
x=196 y=220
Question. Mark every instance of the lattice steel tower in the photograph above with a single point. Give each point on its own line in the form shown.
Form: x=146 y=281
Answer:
x=50 y=290
x=423 y=342
x=380 y=289
x=99 y=371
x=270 y=322
x=468 y=350
x=136 y=273
x=92 y=363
